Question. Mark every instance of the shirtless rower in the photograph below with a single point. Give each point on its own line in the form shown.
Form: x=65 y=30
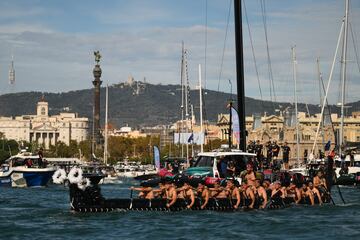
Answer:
x=249 y=177
x=320 y=182
x=261 y=193
x=217 y=191
x=171 y=194
x=145 y=192
x=233 y=192
x=186 y=192
x=203 y=194
x=315 y=192
x=248 y=193
x=278 y=190
x=306 y=192
x=161 y=191
x=293 y=192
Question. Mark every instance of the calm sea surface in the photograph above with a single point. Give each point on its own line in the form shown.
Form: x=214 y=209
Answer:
x=43 y=213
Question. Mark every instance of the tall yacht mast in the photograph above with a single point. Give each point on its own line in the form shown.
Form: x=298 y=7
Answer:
x=343 y=75
x=106 y=125
x=296 y=106
x=240 y=73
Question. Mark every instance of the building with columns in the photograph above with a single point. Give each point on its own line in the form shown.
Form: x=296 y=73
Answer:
x=43 y=129
x=273 y=127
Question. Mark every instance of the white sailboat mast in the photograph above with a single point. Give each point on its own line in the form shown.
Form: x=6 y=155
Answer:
x=186 y=106
x=106 y=125
x=182 y=98
x=320 y=95
x=201 y=109
x=296 y=107
x=343 y=74
x=326 y=92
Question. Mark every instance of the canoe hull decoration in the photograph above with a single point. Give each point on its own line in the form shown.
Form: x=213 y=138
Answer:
x=91 y=200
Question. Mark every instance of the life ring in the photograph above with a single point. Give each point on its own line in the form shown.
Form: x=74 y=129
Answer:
x=59 y=176
x=85 y=182
x=75 y=175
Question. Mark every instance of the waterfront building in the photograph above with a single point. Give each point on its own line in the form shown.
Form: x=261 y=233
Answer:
x=273 y=127
x=43 y=129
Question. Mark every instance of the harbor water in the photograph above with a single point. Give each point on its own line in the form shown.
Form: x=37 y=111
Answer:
x=43 y=213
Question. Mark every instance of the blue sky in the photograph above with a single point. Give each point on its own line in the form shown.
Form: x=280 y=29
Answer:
x=53 y=43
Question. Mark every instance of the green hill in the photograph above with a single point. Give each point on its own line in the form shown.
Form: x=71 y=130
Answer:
x=146 y=104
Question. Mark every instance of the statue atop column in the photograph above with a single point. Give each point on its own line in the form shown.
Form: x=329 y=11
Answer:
x=96 y=107
x=97 y=56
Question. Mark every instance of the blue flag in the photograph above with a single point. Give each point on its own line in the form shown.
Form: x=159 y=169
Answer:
x=235 y=124
x=191 y=138
x=157 y=157
x=327 y=146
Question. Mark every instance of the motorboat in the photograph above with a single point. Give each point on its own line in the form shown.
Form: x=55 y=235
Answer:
x=25 y=170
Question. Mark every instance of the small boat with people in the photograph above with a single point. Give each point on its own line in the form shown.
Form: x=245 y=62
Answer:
x=25 y=170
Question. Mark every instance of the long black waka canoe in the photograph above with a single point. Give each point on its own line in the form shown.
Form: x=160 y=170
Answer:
x=90 y=199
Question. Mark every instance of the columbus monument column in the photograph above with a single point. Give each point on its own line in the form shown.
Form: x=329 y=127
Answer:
x=96 y=111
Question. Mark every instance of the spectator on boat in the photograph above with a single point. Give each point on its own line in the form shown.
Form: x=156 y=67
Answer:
x=223 y=167
x=28 y=163
x=204 y=194
x=286 y=152
x=186 y=192
x=352 y=158
x=342 y=157
x=250 y=147
x=275 y=149
x=269 y=152
x=258 y=151
x=305 y=156
x=330 y=170
x=233 y=193
x=41 y=156
x=230 y=169
x=344 y=170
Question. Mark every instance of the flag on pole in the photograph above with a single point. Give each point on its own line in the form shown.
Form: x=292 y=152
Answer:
x=157 y=158
x=191 y=138
x=235 y=124
x=327 y=146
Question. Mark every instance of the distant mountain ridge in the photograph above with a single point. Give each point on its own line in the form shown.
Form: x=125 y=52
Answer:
x=141 y=104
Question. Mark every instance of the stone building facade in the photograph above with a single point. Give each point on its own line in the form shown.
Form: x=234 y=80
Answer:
x=43 y=129
x=269 y=128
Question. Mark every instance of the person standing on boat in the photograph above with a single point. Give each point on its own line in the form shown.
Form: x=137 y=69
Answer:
x=306 y=156
x=286 y=152
x=275 y=148
x=40 y=160
x=268 y=153
x=352 y=158
x=251 y=147
x=258 y=151
x=330 y=170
